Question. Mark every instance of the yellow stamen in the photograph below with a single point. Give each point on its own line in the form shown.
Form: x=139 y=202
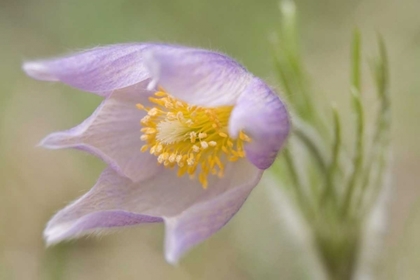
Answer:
x=191 y=137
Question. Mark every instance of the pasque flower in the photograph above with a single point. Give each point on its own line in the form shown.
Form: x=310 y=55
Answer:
x=186 y=133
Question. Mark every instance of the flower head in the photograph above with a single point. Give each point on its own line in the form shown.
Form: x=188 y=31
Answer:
x=186 y=132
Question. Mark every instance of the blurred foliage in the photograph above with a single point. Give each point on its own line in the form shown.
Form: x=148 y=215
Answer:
x=335 y=187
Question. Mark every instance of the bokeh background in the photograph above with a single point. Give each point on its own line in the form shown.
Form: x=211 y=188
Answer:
x=35 y=183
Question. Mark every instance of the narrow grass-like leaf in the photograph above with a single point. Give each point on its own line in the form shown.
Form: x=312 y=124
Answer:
x=289 y=64
x=382 y=134
x=294 y=174
x=313 y=142
x=330 y=191
x=358 y=152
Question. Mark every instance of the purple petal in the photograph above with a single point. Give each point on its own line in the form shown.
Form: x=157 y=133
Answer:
x=202 y=220
x=100 y=70
x=263 y=116
x=163 y=196
x=112 y=133
x=197 y=76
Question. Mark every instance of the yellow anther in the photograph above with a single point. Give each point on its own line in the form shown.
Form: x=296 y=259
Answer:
x=144 y=137
x=148 y=130
x=190 y=162
x=212 y=143
x=204 y=144
x=144 y=148
x=153 y=112
x=193 y=136
x=165 y=156
x=202 y=135
x=160 y=93
x=180 y=116
x=168 y=104
x=171 y=116
x=222 y=134
x=152 y=149
x=145 y=120
x=244 y=137
x=172 y=158
x=157 y=101
x=195 y=148
x=160 y=158
x=230 y=143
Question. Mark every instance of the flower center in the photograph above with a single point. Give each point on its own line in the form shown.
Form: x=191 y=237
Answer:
x=192 y=138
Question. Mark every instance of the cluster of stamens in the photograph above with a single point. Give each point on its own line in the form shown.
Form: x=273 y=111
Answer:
x=192 y=138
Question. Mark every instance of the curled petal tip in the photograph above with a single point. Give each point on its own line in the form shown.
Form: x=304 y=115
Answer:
x=53 y=235
x=56 y=140
x=46 y=143
x=38 y=71
x=262 y=115
x=172 y=259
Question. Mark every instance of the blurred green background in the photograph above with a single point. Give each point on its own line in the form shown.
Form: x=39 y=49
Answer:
x=35 y=183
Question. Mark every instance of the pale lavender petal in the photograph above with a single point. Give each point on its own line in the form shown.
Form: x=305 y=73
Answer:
x=100 y=70
x=204 y=219
x=197 y=76
x=163 y=196
x=263 y=116
x=112 y=133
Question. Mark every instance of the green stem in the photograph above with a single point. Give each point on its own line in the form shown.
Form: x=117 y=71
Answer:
x=338 y=243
